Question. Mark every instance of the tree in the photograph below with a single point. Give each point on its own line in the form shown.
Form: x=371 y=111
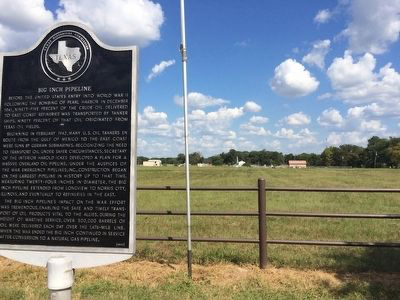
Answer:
x=394 y=155
x=230 y=157
x=195 y=158
x=170 y=161
x=277 y=158
x=313 y=160
x=141 y=159
x=393 y=152
x=288 y=157
x=217 y=160
x=180 y=158
x=327 y=157
x=376 y=152
x=352 y=155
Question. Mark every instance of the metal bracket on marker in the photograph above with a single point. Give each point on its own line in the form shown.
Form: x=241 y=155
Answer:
x=183 y=52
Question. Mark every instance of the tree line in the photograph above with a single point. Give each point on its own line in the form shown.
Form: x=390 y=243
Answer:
x=379 y=153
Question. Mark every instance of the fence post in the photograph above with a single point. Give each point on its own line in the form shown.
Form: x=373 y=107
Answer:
x=262 y=223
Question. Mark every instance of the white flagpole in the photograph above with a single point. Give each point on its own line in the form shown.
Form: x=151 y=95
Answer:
x=186 y=132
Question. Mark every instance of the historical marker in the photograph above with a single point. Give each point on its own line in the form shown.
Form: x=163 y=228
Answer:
x=68 y=145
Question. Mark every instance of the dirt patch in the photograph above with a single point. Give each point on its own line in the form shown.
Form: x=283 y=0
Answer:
x=224 y=275
x=151 y=274
x=140 y=273
x=232 y=275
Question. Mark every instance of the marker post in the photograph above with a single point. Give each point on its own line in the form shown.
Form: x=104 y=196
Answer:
x=186 y=133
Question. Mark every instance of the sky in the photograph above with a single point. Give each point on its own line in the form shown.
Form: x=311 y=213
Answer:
x=282 y=75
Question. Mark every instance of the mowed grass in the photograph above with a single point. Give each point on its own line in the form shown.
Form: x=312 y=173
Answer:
x=149 y=280
x=338 y=259
x=230 y=271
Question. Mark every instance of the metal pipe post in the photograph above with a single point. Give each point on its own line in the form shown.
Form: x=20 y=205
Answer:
x=60 y=278
x=262 y=223
x=186 y=133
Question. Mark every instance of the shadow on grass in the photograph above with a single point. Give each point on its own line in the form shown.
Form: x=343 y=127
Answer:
x=386 y=260
x=227 y=254
x=374 y=274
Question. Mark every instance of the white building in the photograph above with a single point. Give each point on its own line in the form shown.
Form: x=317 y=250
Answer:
x=152 y=163
x=239 y=164
x=200 y=165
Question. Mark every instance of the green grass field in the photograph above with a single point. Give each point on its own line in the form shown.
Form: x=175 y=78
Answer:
x=229 y=271
x=304 y=257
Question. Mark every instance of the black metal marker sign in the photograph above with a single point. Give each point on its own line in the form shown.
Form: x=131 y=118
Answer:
x=68 y=145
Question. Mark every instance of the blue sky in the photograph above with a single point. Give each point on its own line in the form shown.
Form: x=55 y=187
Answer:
x=284 y=75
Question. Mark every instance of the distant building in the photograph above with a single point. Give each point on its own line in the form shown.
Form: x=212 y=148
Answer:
x=297 y=164
x=239 y=163
x=152 y=163
x=203 y=165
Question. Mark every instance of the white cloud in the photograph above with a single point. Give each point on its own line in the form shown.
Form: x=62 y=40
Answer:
x=286 y=134
x=352 y=137
x=212 y=131
x=296 y=119
x=359 y=118
x=141 y=144
x=205 y=143
x=225 y=113
x=254 y=130
x=325 y=96
x=331 y=117
x=375 y=25
x=275 y=145
x=357 y=83
x=355 y=112
x=355 y=129
x=251 y=106
x=317 y=55
x=117 y=22
x=199 y=100
x=307 y=137
x=158 y=148
x=22 y=15
x=232 y=135
x=334 y=139
x=372 y=126
x=158 y=69
x=345 y=73
x=323 y=16
x=357 y=125
x=228 y=145
x=22 y=22
x=246 y=145
x=292 y=80
x=304 y=137
x=150 y=114
x=367 y=111
x=258 y=120
x=154 y=123
x=215 y=123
